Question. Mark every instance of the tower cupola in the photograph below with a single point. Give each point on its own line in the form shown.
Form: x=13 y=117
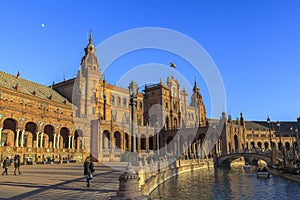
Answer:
x=90 y=61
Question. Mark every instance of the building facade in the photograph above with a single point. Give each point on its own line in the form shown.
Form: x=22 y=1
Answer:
x=36 y=122
x=86 y=115
x=251 y=136
x=69 y=120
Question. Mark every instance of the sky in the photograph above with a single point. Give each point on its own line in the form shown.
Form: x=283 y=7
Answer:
x=255 y=45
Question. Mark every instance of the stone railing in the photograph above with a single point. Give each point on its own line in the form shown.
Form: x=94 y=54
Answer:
x=150 y=174
x=154 y=173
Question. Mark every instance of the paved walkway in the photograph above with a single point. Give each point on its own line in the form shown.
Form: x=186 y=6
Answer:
x=65 y=181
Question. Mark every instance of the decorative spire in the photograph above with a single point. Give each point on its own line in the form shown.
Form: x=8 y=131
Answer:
x=242 y=119
x=195 y=89
x=91 y=37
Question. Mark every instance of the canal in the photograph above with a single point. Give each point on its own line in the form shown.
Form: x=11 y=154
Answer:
x=225 y=184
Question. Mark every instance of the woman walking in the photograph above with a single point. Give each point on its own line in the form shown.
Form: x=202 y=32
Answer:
x=17 y=164
x=88 y=170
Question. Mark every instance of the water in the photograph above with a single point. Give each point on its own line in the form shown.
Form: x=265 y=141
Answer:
x=223 y=184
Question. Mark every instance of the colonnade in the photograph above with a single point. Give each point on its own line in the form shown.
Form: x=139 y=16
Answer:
x=42 y=140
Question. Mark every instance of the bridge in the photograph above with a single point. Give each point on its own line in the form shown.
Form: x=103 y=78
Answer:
x=224 y=160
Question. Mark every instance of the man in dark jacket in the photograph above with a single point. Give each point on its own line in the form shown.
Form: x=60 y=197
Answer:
x=88 y=170
x=6 y=164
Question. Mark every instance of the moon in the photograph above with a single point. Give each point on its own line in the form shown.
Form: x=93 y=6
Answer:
x=43 y=25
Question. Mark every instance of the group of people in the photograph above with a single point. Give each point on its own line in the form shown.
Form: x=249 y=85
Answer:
x=7 y=162
x=88 y=165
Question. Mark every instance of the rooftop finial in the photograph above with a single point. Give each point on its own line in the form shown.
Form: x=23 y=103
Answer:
x=195 y=88
x=91 y=37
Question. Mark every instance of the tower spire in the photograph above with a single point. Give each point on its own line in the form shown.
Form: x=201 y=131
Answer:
x=195 y=88
x=91 y=37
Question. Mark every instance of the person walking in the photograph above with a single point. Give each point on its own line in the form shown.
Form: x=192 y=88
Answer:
x=17 y=164
x=89 y=169
x=5 y=165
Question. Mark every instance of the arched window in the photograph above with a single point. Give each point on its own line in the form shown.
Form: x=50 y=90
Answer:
x=141 y=105
x=119 y=101
x=236 y=143
x=143 y=142
x=112 y=100
x=124 y=102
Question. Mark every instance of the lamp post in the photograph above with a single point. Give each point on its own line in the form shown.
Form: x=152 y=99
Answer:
x=293 y=143
x=271 y=148
x=252 y=144
x=133 y=88
x=280 y=142
x=157 y=140
x=297 y=139
x=281 y=145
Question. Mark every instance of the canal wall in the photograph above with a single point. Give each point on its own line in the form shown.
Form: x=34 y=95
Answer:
x=155 y=173
x=292 y=177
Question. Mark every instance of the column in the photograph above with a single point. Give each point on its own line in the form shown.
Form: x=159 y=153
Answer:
x=101 y=136
x=41 y=141
x=83 y=142
x=147 y=143
x=22 y=138
x=58 y=138
x=54 y=141
x=17 y=139
x=122 y=141
x=111 y=141
x=73 y=142
x=69 y=141
x=199 y=149
x=178 y=146
x=1 y=136
x=138 y=138
x=175 y=147
x=37 y=139
x=129 y=142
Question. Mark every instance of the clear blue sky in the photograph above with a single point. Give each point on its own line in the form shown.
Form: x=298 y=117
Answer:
x=255 y=44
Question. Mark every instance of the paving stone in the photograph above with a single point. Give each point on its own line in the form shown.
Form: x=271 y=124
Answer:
x=65 y=181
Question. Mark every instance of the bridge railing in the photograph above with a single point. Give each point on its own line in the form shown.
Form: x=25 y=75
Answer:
x=248 y=151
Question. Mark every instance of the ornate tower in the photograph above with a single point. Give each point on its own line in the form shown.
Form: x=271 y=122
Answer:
x=197 y=103
x=86 y=97
x=87 y=83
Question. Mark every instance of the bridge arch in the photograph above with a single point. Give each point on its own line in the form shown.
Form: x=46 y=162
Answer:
x=225 y=160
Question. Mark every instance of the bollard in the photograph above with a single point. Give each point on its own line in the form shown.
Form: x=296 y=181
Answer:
x=129 y=186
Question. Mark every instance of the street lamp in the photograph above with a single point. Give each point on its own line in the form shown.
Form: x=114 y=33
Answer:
x=253 y=145
x=133 y=89
x=281 y=145
x=297 y=139
x=271 y=148
x=293 y=143
x=157 y=140
x=280 y=142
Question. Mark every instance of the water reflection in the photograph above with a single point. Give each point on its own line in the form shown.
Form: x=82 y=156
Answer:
x=222 y=183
